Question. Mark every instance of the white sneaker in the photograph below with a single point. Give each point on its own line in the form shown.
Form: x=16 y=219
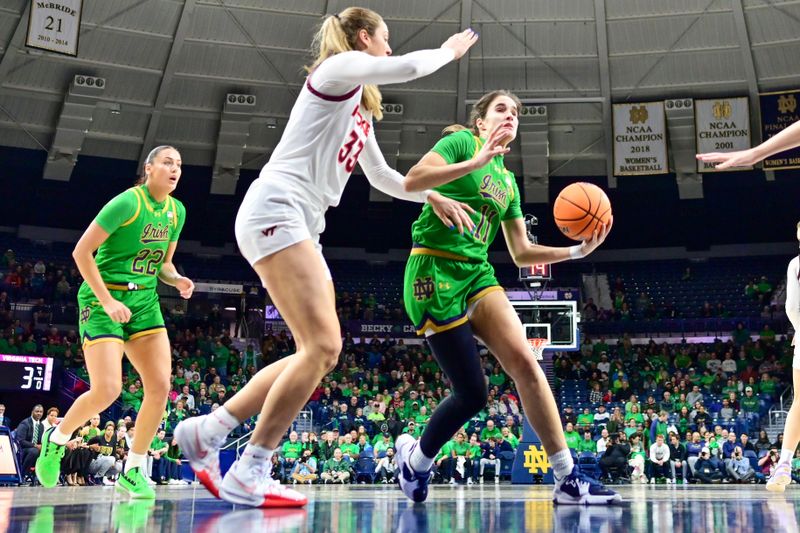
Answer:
x=251 y=485
x=150 y=481
x=652 y=481
x=413 y=484
x=578 y=488
x=108 y=483
x=480 y=481
x=452 y=481
x=469 y=481
x=781 y=477
x=202 y=451
x=496 y=480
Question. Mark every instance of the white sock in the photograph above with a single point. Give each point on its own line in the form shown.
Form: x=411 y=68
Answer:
x=562 y=463
x=419 y=461
x=134 y=460
x=786 y=456
x=256 y=454
x=220 y=423
x=57 y=437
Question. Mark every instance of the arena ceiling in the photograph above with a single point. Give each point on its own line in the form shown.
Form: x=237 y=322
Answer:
x=168 y=66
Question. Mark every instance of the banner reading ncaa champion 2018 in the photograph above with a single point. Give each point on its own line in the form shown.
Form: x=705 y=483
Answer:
x=778 y=111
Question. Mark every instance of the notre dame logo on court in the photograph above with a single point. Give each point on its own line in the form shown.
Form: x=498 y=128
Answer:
x=423 y=288
x=639 y=114
x=722 y=109
x=85 y=312
x=536 y=460
x=787 y=103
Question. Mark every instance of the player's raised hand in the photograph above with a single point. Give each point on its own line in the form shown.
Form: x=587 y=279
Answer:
x=590 y=245
x=461 y=42
x=454 y=215
x=725 y=160
x=185 y=286
x=493 y=146
x=117 y=311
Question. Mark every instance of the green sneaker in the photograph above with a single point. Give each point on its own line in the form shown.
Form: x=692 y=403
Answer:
x=135 y=485
x=48 y=464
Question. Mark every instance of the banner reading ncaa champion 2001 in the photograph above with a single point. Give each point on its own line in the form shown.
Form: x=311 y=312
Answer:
x=640 y=139
x=54 y=25
x=778 y=111
x=721 y=125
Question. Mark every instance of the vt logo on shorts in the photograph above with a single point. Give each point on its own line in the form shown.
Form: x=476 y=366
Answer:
x=85 y=313
x=269 y=232
x=423 y=288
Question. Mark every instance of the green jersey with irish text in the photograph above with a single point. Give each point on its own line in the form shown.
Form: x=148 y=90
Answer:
x=140 y=230
x=491 y=191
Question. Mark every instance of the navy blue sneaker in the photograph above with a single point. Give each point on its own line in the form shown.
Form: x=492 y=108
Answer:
x=413 y=484
x=580 y=489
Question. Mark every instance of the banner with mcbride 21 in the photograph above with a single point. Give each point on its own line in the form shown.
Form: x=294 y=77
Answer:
x=778 y=111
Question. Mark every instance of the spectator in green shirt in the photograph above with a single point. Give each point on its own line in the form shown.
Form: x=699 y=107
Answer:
x=221 y=357
x=498 y=378
x=573 y=437
x=349 y=449
x=587 y=443
x=380 y=447
x=490 y=431
x=292 y=449
x=509 y=437
x=132 y=399
x=749 y=402
x=585 y=419
x=336 y=469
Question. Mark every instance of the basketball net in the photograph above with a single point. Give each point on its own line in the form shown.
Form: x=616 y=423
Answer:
x=537 y=347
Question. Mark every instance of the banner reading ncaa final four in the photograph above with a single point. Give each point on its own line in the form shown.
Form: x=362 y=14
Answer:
x=721 y=125
x=54 y=25
x=640 y=139
x=778 y=111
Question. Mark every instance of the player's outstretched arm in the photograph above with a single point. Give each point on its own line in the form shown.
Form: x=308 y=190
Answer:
x=788 y=138
x=433 y=171
x=386 y=179
x=525 y=253
x=343 y=71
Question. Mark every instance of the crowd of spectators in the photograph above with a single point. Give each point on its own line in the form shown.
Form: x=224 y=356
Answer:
x=645 y=411
x=678 y=412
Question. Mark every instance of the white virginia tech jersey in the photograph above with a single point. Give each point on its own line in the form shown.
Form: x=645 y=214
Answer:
x=329 y=131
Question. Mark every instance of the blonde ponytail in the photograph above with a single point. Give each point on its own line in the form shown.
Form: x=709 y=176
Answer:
x=339 y=33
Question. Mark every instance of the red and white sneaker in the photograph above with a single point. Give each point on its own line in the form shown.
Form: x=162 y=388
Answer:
x=251 y=485
x=202 y=450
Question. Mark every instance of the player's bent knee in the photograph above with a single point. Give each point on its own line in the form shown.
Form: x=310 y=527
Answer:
x=106 y=392
x=325 y=351
x=523 y=367
x=157 y=388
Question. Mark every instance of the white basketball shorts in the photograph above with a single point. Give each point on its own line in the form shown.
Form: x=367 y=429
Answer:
x=272 y=218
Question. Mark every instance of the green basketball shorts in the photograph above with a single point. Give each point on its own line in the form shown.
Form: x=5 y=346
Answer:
x=96 y=326
x=439 y=287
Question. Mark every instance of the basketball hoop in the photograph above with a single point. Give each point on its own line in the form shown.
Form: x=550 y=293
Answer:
x=537 y=347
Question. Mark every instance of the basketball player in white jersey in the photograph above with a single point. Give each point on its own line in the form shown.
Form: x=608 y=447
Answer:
x=782 y=474
x=788 y=138
x=280 y=220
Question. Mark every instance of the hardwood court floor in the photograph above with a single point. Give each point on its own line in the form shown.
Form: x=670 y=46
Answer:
x=484 y=509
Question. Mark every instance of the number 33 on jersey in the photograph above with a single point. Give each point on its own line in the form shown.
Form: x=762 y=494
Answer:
x=348 y=155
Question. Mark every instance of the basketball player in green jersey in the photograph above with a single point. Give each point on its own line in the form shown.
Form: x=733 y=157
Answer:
x=452 y=297
x=135 y=236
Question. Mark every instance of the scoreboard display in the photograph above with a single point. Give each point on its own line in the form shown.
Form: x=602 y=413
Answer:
x=25 y=372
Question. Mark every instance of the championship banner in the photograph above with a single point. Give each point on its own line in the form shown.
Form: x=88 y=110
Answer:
x=640 y=139
x=721 y=125
x=54 y=25
x=778 y=111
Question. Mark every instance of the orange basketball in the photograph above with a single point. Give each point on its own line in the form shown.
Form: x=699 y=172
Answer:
x=580 y=209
